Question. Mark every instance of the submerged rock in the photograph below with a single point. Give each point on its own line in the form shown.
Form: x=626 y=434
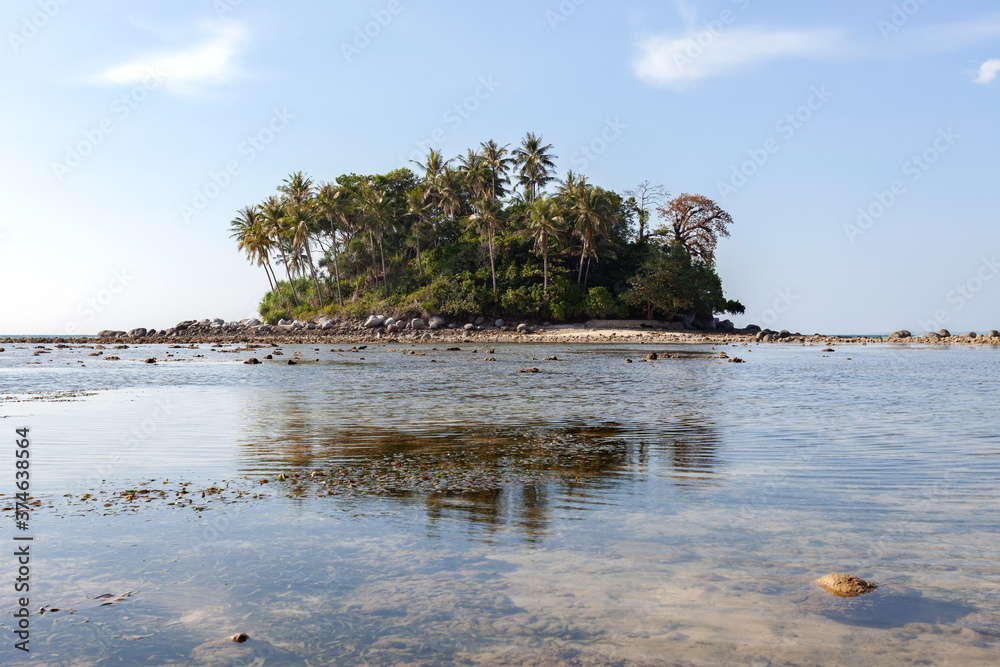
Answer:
x=845 y=585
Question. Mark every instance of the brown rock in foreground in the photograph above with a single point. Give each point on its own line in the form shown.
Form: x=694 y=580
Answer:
x=844 y=585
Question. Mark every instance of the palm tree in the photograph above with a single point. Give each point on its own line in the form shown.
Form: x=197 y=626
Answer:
x=449 y=191
x=273 y=212
x=250 y=232
x=544 y=222
x=298 y=195
x=496 y=159
x=433 y=166
x=589 y=210
x=484 y=221
x=474 y=173
x=333 y=205
x=374 y=202
x=535 y=163
x=416 y=205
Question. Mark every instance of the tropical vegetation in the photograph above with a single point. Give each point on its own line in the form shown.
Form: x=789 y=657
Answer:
x=491 y=232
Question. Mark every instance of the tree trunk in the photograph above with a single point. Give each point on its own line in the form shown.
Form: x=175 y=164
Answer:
x=579 y=272
x=545 y=264
x=291 y=282
x=269 y=281
x=312 y=269
x=336 y=264
x=420 y=268
x=382 y=253
x=493 y=269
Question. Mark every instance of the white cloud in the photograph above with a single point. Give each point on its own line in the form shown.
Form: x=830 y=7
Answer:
x=988 y=71
x=675 y=61
x=211 y=62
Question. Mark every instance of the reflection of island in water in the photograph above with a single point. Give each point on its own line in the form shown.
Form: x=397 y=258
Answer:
x=492 y=477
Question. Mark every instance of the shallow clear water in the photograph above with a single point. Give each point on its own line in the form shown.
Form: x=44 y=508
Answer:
x=661 y=512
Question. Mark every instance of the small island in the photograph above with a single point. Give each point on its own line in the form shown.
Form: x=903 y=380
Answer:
x=491 y=233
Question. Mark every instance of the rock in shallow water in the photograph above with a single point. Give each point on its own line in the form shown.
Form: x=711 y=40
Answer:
x=844 y=585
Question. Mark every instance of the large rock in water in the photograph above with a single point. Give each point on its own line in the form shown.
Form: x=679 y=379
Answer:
x=845 y=585
x=374 y=321
x=899 y=335
x=110 y=333
x=137 y=333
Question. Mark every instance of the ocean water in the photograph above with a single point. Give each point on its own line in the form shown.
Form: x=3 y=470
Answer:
x=441 y=508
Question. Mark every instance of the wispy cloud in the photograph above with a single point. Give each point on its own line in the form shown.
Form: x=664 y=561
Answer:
x=988 y=71
x=674 y=61
x=191 y=69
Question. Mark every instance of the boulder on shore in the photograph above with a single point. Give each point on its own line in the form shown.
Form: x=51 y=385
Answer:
x=436 y=322
x=994 y=333
x=899 y=335
x=417 y=324
x=845 y=585
x=137 y=333
x=374 y=322
x=944 y=333
x=110 y=333
x=499 y=324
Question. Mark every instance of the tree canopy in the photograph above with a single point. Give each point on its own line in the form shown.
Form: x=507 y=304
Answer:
x=491 y=232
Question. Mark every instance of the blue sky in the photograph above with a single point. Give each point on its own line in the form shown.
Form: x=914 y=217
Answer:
x=854 y=143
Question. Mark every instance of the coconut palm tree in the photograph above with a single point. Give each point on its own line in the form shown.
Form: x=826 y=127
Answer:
x=474 y=174
x=417 y=206
x=535 y=163
x=498 y=161
x=374 y=203
x=589 y=209
x=484 y=221
x=273 y=212
x=543 y=223
x=249 y=230
x=449 y=192
x=334 y=203
x=433 y=166
x=298 y=195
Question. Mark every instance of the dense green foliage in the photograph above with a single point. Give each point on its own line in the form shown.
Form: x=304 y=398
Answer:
x=484 y=237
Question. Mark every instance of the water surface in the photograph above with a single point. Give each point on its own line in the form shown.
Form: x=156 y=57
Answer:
x=439 y=508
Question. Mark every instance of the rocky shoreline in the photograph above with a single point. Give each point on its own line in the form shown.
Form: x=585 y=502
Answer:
x=386 y=329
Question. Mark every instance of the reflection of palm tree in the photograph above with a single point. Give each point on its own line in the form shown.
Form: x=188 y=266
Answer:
x=543 y=223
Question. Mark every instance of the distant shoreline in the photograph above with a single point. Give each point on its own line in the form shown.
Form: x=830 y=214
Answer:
x=593 y=331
